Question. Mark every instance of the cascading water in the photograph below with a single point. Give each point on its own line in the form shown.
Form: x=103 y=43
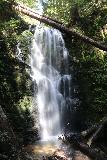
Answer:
x=48 y=58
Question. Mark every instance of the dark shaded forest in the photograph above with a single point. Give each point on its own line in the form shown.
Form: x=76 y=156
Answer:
x=87 y=64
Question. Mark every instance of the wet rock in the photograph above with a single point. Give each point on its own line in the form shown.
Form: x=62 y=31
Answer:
x=60 y=154
x=80 y=156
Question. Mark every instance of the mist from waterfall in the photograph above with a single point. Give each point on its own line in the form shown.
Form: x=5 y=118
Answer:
x=48 y=56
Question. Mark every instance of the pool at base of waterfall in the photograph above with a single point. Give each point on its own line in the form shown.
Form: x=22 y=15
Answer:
x=44 y=150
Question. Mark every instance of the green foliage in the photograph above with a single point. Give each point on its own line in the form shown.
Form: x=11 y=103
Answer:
x=89 y=63
x=30 y=3
x=25 y=41
x=89 y=18
x=25 y=103
x=60 y=10
x=92 y=79
x=6 y=10
x=15 y=83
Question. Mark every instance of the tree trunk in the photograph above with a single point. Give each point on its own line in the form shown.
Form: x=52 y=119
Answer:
x=90 y=152
x=58 y=26
x=31 y=10
x=89 y=131
x=97 y=133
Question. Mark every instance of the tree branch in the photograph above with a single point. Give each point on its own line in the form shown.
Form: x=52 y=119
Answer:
x=58 y=25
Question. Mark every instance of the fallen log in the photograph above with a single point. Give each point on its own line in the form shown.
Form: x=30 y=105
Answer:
x=78 y=141
x=84 y=148
x=89 y=131
x=59 y=26
x=31 y=10
x=98 y=131
x=93 y=128
x=93 y=137
x=103 y=148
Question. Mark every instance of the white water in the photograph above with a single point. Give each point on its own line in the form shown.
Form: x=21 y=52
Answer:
x=40 y=6
x=49 y=71
x=48 y=54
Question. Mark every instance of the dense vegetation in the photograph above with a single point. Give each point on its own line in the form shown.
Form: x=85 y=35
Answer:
x=90 y=63
x=15 y=84
x=87 y=63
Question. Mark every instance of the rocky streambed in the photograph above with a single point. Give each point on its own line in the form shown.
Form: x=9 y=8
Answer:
x=51 y=151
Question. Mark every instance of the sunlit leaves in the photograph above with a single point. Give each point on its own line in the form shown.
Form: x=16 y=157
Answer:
x=29 y=3
x=59 y=10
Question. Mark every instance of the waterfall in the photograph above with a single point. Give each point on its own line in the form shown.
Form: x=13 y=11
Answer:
x=50 y=74
x=49 y=65
x=41 y=4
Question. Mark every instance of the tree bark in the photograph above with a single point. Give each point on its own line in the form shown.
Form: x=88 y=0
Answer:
x=93 y=137
x=31 y=10
x=89 y=131
x=90 y=152
x=96 y=134
x=94 y=130
x=58 y=26
x=79 y=141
